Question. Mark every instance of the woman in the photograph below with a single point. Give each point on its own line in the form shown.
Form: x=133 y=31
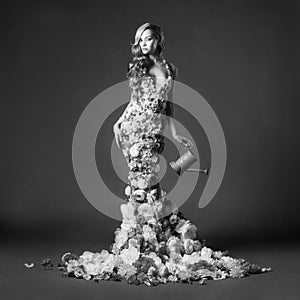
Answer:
x=155 y=242
x=149 y=43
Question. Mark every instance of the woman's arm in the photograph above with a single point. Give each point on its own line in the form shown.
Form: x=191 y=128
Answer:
x=170 y=117
x=121 y=119
x=170 y=113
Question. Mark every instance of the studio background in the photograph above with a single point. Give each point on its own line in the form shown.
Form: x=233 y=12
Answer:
x=241 y=56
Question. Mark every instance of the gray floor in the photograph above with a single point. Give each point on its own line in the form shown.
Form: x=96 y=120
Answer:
x=18 y=282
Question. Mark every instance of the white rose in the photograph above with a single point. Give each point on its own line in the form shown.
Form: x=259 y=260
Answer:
x=142 y=183
x=148 y=233
x=129 y=255
x=127 y=224
x=92 y=268
x=128 y=190
x=206 y=253
x=127 y=210
x=121 y=237
x=134 y=150
x=188 y=246
x=87 y=255
x=191 y=259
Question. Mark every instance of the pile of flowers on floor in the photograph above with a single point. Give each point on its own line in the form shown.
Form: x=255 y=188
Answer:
x=151 y=251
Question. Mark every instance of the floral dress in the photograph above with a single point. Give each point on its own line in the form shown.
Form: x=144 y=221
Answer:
x=155 y=243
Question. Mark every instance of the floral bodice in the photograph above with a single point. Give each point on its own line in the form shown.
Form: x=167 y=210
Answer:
x=145 y=113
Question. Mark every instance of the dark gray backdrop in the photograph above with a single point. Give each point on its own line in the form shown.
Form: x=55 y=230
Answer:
x=242 y=56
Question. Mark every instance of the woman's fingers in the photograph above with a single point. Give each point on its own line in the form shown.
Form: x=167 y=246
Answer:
x=187 y=142
x=117 y=139
x=118 y=136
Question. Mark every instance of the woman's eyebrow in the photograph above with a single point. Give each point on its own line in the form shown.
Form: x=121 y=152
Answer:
x=146 y=36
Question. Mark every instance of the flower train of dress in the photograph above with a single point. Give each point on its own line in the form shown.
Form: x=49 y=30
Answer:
x=150 y=252
x=155 y=242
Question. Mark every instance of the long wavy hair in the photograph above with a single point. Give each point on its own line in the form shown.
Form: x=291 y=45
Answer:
x=141 y=63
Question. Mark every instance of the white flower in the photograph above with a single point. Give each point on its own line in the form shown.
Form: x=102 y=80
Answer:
x=86 y=277
x=186 y=229
x=172 y=267
x=129 y=255
x=78 y=272
x=128 y=190
x=72 y=265
x=151 y=196
x=148 y=233
x=162 y=270
x=121 y=237
x=191 y=259
x=172 y=278
x=157 y=260
x=173 y=246
x=108 y=265
x=146 y=210
x=126 y=270
x=191 y=232
x=134 y=182
x=134 y=150
x=151 y=270
x=92 y=268
x=142 y=183
x=152 y=221
x=102 y=256
x=133 y=243
x=206 y=253
x=87 y=256
x=188 y=246
x=184 y=274
x=228 y=262
x=128 y=210
x=182 y=225
x=218 y=254
x=128 y=224
x=93 y=263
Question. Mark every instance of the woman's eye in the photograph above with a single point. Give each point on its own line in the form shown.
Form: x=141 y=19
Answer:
x=148 y=39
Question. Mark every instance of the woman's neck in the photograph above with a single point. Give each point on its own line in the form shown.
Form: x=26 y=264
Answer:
x=155 y=59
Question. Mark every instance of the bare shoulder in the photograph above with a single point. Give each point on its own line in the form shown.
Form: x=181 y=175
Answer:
x=158 y=70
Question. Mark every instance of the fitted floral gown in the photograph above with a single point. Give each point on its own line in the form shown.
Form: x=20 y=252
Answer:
x=155 y=243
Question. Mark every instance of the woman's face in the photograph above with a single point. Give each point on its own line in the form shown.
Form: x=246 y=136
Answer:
x=147 y=42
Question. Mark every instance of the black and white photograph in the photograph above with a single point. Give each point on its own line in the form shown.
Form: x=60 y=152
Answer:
x=149 y=150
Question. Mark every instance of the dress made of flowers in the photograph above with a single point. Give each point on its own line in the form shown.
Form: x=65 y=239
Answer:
x=155 y=243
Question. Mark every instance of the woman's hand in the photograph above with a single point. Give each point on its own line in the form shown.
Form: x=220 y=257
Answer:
x=185 y=142
x=117 y=132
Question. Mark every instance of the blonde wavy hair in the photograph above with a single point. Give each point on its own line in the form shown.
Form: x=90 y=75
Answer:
x=141 y=63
